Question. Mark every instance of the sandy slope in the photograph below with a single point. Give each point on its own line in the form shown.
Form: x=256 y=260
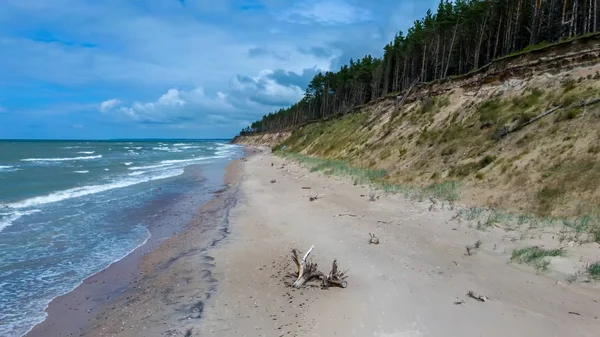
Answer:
x=406 y=286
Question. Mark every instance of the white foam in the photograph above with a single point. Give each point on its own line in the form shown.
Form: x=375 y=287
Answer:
x=137 y=173
x=135 y=168
x=91 y=189
x=86 y=152
x=75 y=147
x=8 y=168
x=164 y=148
x=176 y=161
x=106 y=169
x=81 y=172
x=14 y=216
x=62 y=159
x=127 y=164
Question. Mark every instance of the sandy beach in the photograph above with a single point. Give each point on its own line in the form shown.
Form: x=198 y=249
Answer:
x=229 y=273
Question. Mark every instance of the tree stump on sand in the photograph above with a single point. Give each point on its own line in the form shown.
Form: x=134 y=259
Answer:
x=308 y=271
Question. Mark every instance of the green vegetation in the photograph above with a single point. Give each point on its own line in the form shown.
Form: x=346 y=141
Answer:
x=459 y=29
x=536 y=257
x=593 y=271
x=447 y=190
x=468 y=168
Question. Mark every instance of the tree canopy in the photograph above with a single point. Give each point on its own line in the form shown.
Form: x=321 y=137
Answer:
x=457 y=39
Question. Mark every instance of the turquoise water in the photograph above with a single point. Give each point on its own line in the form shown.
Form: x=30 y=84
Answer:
x=63 y=211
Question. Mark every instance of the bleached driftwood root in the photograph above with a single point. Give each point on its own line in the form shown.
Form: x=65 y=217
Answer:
x=308 y=271
x=335 y=278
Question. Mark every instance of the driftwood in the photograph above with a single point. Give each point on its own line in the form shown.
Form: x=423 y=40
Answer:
x=373 y=239
x=273 y=181
x=308 y=271
x=480 y=298
x=335 y=278
x=507 y=131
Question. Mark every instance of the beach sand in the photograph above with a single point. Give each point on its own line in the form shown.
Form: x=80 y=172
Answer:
x=229 y=273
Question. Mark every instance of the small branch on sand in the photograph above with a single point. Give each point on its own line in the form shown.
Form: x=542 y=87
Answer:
x=273 y=181
x=385 y=222
x=313 y=198
x=308 y=271
x=480 y=298
x=347 y=214
x=373 y=239
x=305 y=188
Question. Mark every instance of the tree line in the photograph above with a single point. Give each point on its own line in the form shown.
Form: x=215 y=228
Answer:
x=458 y=38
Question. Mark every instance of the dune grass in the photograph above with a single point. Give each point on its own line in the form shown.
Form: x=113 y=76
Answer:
x=535 y=256
x=594 y=271
x=446 y=191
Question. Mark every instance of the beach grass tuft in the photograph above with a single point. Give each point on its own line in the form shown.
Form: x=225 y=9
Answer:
x=594 y=270
x=535 y=256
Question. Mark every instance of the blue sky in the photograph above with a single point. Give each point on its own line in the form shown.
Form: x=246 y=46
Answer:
x=175 y=68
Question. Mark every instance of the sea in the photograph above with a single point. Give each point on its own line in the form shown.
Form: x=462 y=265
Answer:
x=65 y=210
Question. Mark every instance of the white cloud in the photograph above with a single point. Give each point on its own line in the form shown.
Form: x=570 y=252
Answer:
x=177 y=107
x=330 y=12
x=108 y=105
x=247 y=98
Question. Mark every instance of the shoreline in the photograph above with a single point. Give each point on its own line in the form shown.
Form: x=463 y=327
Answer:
x=230 y=273
x=71 y=313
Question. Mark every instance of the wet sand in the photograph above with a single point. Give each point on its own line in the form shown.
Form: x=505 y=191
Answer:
x=78 y=312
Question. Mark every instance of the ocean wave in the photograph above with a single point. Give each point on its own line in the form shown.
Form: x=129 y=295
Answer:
x=167 y=149
x=8 y=168
x=127 y=164
x=189 y=147
x=82 y=172
x=91 y=189
x=177 y=161
x=86 y=152
x=135 y=168
x=75 y=147
x=32 y=321
x=13 y=216
x=62 y=159
x=137 y=173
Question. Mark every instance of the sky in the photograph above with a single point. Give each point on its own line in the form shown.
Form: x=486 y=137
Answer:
x=91 y=69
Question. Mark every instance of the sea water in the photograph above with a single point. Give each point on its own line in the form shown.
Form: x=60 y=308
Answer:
x=63 y=212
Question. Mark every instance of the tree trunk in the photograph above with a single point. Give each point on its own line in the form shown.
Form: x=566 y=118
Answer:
x=477 y=50
x=451 y=44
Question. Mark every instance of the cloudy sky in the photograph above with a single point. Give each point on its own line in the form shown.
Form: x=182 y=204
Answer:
x=175 y=68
